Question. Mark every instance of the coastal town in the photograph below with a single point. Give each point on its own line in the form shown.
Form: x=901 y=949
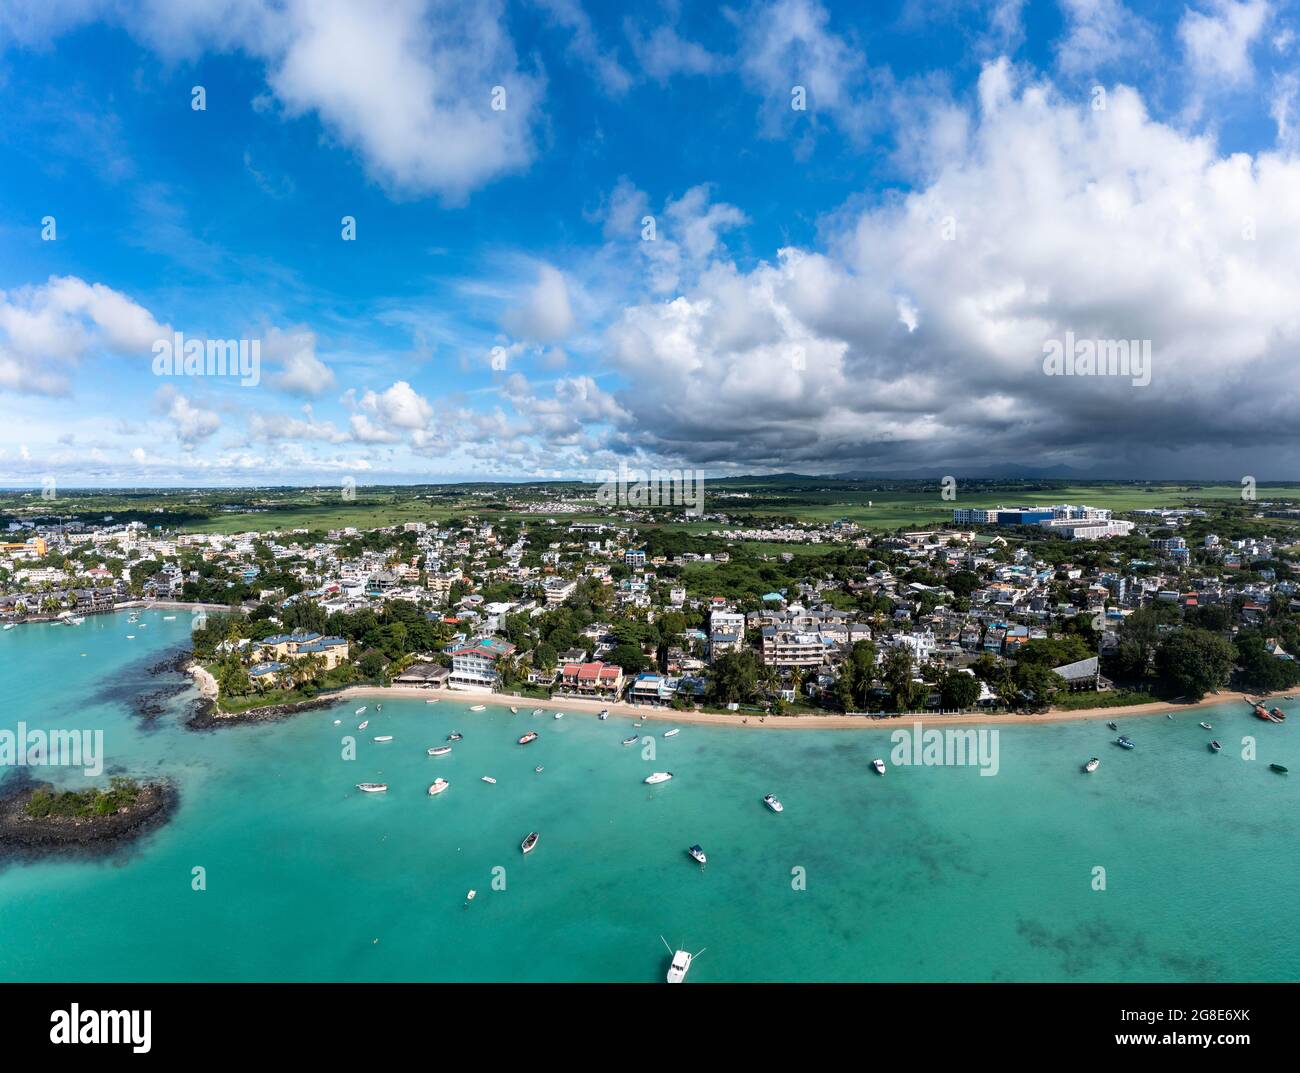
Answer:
x=1006 y=609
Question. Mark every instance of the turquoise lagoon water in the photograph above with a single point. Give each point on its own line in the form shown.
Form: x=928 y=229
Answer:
x=930 y=873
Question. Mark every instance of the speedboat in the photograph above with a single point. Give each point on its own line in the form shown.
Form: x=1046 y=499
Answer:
x=364 y=723
x=538 y=769
x=671 y=733
x=559 y=715
x=656 y=777
x=630 y=741
x=680 y=967
x=1092 y=765
x=438 y=786
x=879 y=766
x=360 y=711
x=477 y=707
x=489 y=779
x=1277 y=715
x=1124 y=742
x=771 y=802
x=439 y=750
x=1113 y=726
x=530 y=736
x=698 y=853
x=1280 y=769
x=455 y=735
x=470 y=895
x=372 y=787
x=604 y=713
x=1206 y=726
x=530 y=843
x=1215 y=746
x=384 y=737
x=538 y=711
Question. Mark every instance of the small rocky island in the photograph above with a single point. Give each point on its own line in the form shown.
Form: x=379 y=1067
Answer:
x=36 y=818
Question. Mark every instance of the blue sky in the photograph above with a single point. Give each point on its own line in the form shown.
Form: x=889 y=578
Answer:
x=864 y=284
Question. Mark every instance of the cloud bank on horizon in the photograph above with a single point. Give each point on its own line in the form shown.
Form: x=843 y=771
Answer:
x=541 y=238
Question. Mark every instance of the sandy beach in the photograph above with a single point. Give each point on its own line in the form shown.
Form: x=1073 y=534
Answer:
x=203 y=679
x=789 y=722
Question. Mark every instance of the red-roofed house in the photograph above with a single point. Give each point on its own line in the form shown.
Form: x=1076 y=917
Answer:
x=598 y=678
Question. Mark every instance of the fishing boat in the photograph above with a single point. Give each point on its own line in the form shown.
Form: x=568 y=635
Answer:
x=530 y=736
x=439 y=750
x=1124 y=742
x=1215 y=746
x=771 y=802
x=489 y=780
x=604 y=714
x=538 y=711
x=698 y=853
x=672 y=733
x=681 y=963
x=477 y=707
x=1113 y=726
x=455 y=735
x=383 y=737
x=360 y=711
x=1206 y=726
x=438 y=786
x=372 y=787
x=630 y=741
x=878 y=765
x=656 y=777
x=1092 y=765
x=364 y=723
x=1279 y=768
x=530 y=843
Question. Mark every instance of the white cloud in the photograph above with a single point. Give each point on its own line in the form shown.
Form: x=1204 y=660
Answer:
x=1102 y=34
x=1217 y=45
x=301 y=372
x=192 y=424
x=546 y=314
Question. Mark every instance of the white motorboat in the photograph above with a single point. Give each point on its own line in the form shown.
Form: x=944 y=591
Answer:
x=77 y=621
x=636 y=724
x=337 y=721
x=1206 y=726
x=363 y=724
x=383 y=737
x=538 y=769
x=432 y=700
x=559 y=715
x=771 y=802
x=526 y=738
x=538 y=711
x=878 y=765
x=169 y=618
x=657 y=777
x=130 y=637
x=455 y=735
x=10 y=625
x=438 y=786
x=514 y=710
x=672 y=733
x=372 y=787
x=681 y=963
x=360 y=711
x=439 y=750
x=604 y=714
x=470 y=896
x=1092 y=765
x=478 y=707
x=697 y=852
x=630 y=741
x=489 y=780
x=530 y=842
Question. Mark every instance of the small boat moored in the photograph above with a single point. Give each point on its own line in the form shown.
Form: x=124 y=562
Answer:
x=360 y=711
x=1215 y=746
x=559 y=715
x=656 y=777
x=672 y=733
x=438 y=786
x=439 y=750
x=538 y=769
x=1113 y=726
x=383 y=737
x=489 y=779
x=698 y=853
x=514 y=710
x=771 y=802
x=1092 y=765
x=530 y=842
x=630 y=741
x=1279 y=768
x=526 y=738
x=1206 y=726
x=538 y=711
x=478 y=707
x=372 y=787
x=604 y=714
x=878 y=766
x=455 y=735
x=1124 y=742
